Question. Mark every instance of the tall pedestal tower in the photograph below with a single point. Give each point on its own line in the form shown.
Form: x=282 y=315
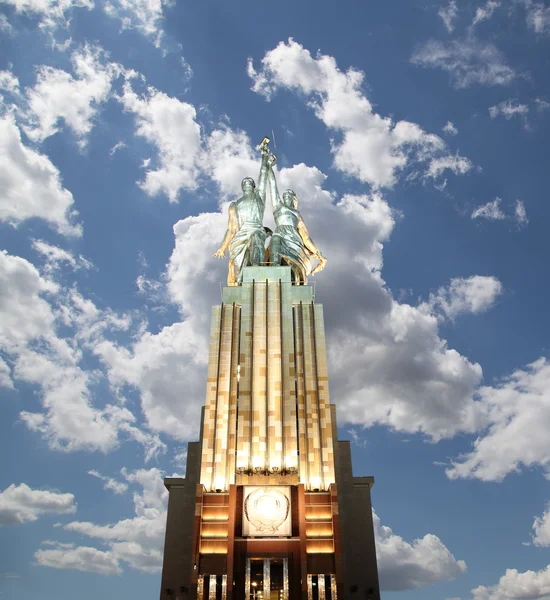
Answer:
x=269 y=508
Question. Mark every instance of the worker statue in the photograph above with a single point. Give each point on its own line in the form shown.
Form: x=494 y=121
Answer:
x=291 y=243
x=245 y=236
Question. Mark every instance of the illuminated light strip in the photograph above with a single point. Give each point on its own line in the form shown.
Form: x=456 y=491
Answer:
x=224 y=587
x=200 y=587
x=247 y=580
x=212 y=590
x=333 y=587
x=309 y=587
x=321 y=586
x=285 y=578
x=267 y=579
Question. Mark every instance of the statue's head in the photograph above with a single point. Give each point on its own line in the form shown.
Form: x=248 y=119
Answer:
x=290 y=199
x=247 y=184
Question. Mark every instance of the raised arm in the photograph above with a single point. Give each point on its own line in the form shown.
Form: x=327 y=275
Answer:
x=229 y=234
x=273 y=189
x=262 y=178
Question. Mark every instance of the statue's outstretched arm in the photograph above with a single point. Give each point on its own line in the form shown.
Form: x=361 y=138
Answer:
x=262 y=179
x=273 y=189
x=229 y=234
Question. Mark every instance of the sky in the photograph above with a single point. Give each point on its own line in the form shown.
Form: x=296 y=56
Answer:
x=415 y=136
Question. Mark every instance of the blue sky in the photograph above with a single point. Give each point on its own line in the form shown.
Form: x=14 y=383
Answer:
x=415 y=135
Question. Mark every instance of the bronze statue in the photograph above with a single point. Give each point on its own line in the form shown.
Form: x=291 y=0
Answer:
x=246 y=236
x=291 y=243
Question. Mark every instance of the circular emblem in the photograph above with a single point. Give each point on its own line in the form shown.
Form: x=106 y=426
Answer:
x=266 y=509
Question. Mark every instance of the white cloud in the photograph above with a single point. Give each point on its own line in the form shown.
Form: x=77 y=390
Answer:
x=9 y=82
x=55 y=257
x=51 y=13
x=118 y=146
x=144 y=15
x=475 y=294
x=373 y=148
x=468 y=61
x=31 y=184
x=137 y=541
x=518 y=413
x=6 y=26
x=83 y=558
x=403 y=565
x=28 y=336
x=21 y=504
x=59 y=96
x=459 y=165
x=5 y=375
x=542 y=104
x=541 y=525
x=508 y=109
x=448 y=15
x=520 y=213
x=490 y=211
x=118 y=487
x=450 y=129
x=484 y=13
x=170 y=125
x=538 y=16
x=530 y=585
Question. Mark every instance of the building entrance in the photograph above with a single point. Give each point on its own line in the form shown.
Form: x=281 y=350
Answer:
x=266 y=579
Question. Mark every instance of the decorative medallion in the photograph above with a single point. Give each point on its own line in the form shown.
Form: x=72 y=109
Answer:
x=267 y=511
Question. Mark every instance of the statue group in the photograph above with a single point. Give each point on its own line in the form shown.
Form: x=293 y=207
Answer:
x=246 y=235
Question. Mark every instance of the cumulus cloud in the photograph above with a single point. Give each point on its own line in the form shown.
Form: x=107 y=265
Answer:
x=110 y=483
x=520 y=213
x=170 y=125
x=475 y=294
x=137 y=541
x=518 y=410
x=403 y=565
x=21 y=504
x=29 y=338
x=542 y=104
x=373 y=148
x=82 y=558
x=56 y=257
x=9 y=82
x=145 y=16
x=484 y=13
x=538 y=16
x=31 y=184
x=59 y=96
x=508 y=109
x=513 y=585
x=459 y=165
x=541 y=526
x=468 y=61
x=450 y=129
x=491 y=211
x=6 y=26
x=51 y=13
x=5 y=375
x=448 y=15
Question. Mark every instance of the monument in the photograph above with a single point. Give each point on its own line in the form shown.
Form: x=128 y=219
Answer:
x=269 y=508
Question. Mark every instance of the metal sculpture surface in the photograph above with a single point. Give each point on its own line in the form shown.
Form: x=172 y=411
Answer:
x=246 y=236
